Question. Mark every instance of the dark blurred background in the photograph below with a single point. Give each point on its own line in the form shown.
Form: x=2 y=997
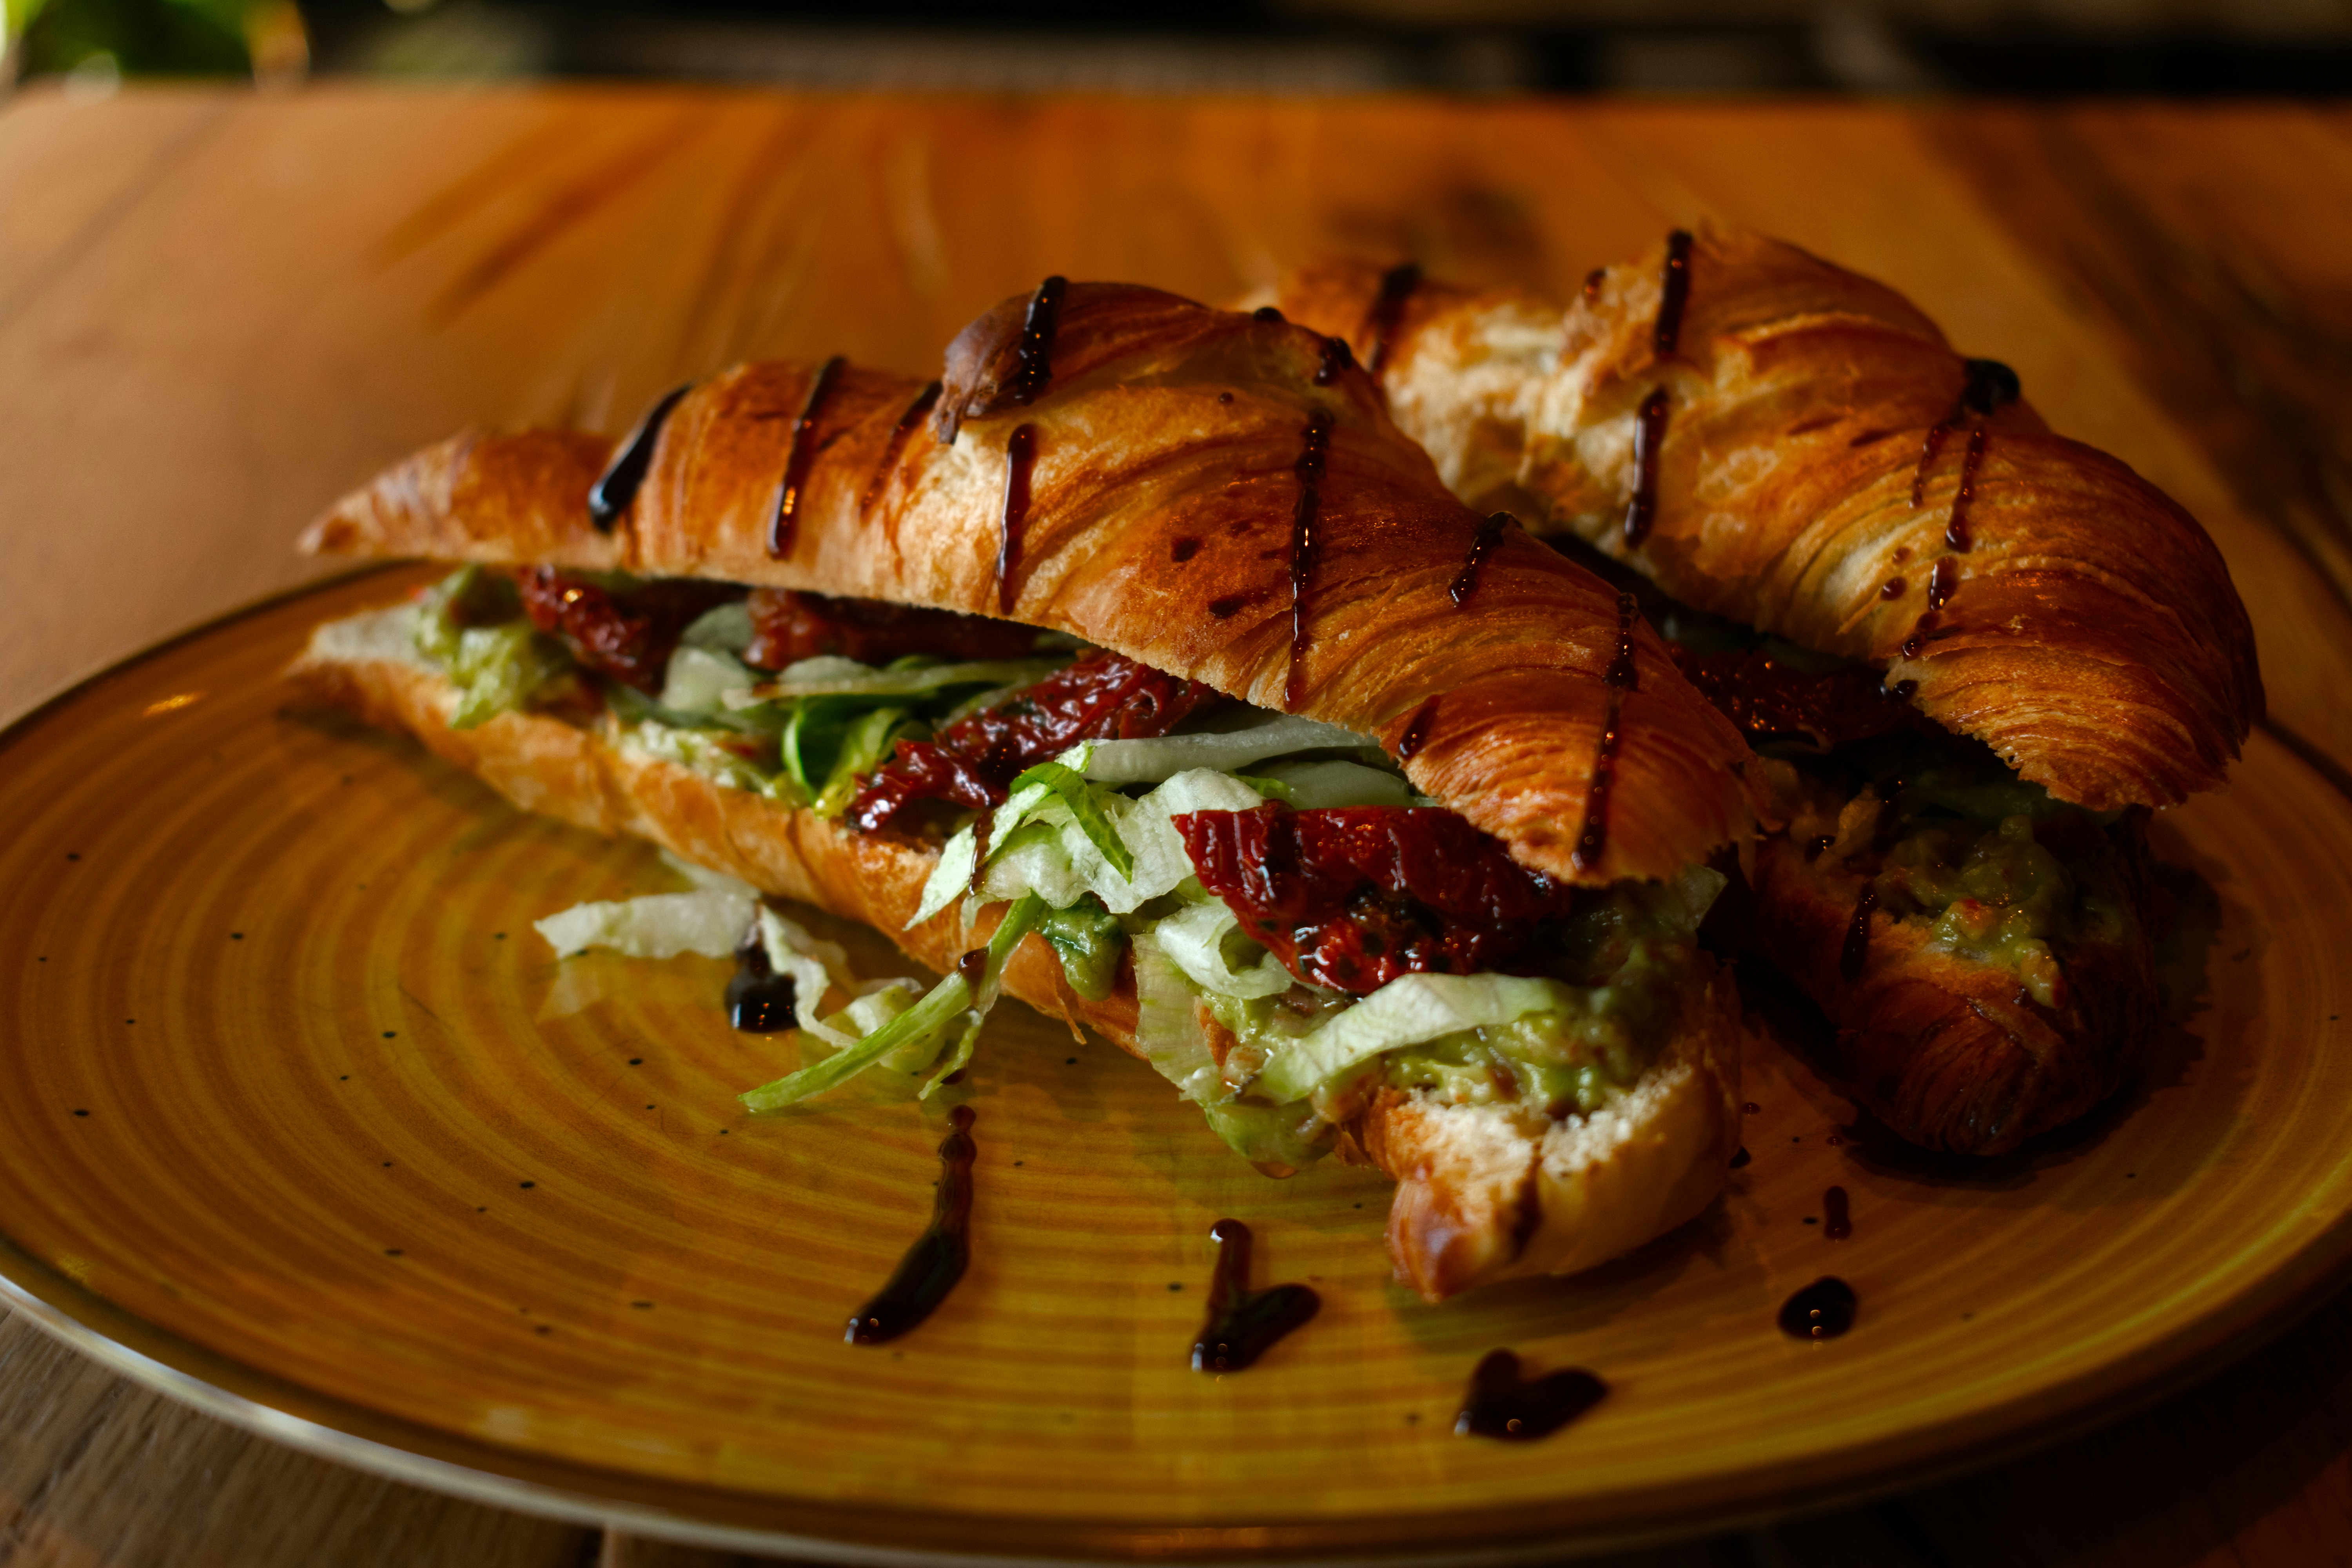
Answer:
x=2015 y=47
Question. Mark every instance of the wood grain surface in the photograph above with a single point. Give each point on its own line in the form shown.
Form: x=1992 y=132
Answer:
x=217 y=312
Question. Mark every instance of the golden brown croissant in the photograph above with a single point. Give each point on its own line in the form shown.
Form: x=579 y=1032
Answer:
x=1812 y=436
x=1160 y=514
x=1209 y=495
x=1779 y=442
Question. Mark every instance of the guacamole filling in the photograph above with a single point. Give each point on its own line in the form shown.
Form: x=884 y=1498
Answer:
x=1945 y=836
x=1124 y=817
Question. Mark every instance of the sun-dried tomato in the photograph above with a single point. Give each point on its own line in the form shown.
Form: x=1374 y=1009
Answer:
x=788 y=626
x=1101 y=695
x=1771 y=700
x=628 y=635
x=1354 y=897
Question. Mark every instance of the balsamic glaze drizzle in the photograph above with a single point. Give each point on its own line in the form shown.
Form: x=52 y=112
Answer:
x=799 y=457
x=1673 y=293
x=1986 y=385
x=1336 y=360
x=1943 y=583
x=1623 y=676
x=1020 y=456
x=617 y=486
x=1490 y=534
x=1397 y=286
x=917 y=412
x=1956 y=527
x=1243 y=1324
x=1304 y=545
x=1821 y=1311
x=1502 y=1403
x=1034 y=354
x=1856 y=953
x=1416 y=730
x=1649 y=436
x=1837 y=1218
x=759 y=1000
x=938 y=1257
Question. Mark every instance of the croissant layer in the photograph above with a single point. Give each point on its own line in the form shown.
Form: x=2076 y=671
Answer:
x=1776 y=440
x=1204 y=491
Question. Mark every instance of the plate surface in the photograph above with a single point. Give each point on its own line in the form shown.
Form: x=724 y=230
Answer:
x=299 y=1106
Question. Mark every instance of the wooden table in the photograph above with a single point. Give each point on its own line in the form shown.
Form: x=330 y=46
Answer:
x=217 y=310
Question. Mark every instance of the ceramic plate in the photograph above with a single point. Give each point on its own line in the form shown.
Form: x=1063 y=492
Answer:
x=304 y=1122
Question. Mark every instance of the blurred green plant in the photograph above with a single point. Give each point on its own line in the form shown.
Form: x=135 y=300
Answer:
x=158 y=38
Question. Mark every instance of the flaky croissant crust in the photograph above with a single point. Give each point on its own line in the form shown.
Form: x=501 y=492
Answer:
x=1163 y=501
x=2088 y=631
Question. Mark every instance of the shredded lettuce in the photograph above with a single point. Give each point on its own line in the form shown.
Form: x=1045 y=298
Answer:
x=920 y=1032
x=496 y=669
x=470 y=596
x=1407 y=1011
x=1313 y=787
x=1154 y=761
x=867 y=742
x=711 y=921
x=700 y=679
x=709 y=753
x=1199 y=940
x=1036 y=844
x=831 y=677
x=470 y=624
x=1167 y=1025
x=1086 y=809
x=726 y=629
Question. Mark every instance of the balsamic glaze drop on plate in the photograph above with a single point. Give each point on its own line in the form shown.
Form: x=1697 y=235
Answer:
x=938 y=1259
x=759 y=1000
x=1503 y=1404
x=1821 y=1311
x=619 y=483
x=1243 y=1323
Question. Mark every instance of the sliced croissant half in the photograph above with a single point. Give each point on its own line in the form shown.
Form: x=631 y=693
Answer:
x=1144 y=670
x=1985 y=650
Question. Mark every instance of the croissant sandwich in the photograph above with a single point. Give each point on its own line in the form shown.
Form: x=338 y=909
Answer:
x=1975 y=654
x=1143 y=670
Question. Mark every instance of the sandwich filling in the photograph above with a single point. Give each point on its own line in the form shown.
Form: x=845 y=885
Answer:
x=1302 y=931
x=1913 y=823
